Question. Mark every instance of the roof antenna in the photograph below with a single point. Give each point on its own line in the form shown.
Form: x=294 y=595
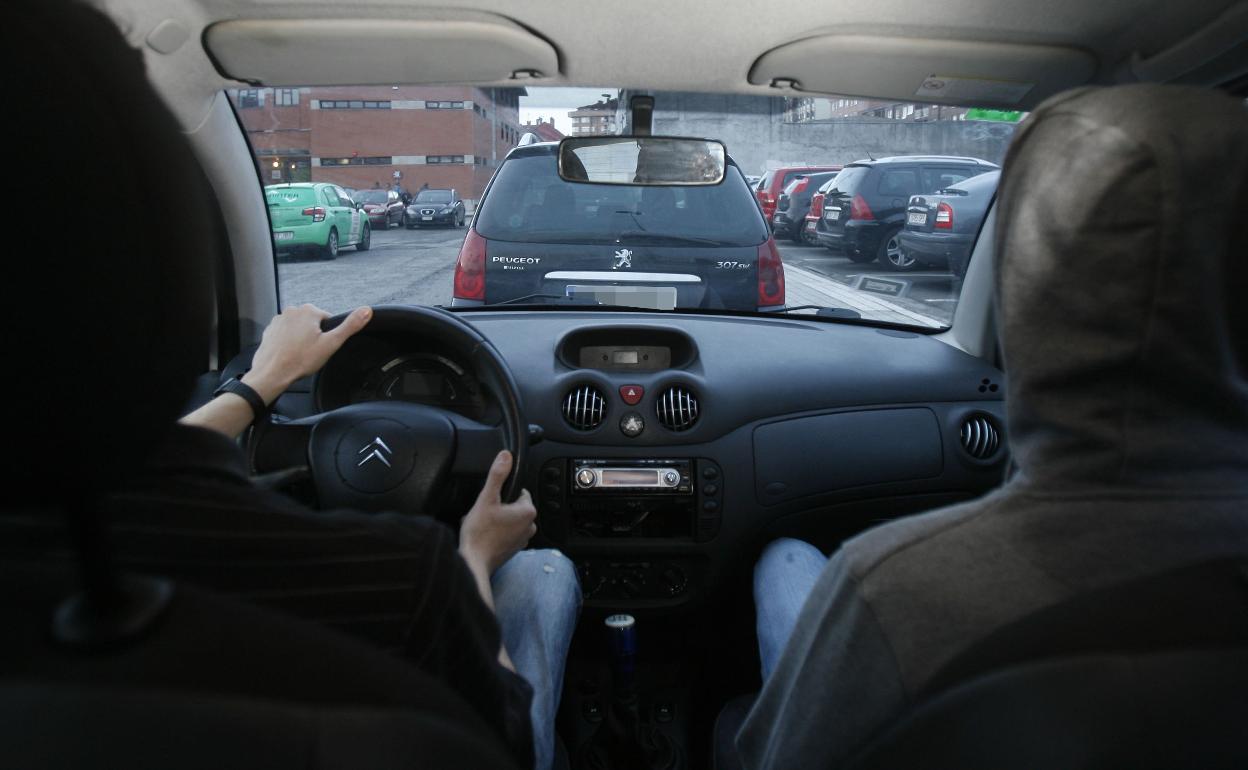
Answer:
x=869 y=155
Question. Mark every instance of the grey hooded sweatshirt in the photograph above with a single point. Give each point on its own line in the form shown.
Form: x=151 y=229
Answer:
x=1122 y=296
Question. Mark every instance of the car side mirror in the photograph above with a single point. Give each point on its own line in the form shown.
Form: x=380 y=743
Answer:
x=358 y=206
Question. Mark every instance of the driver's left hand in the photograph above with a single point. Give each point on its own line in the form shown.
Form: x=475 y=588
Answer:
x=293 y=346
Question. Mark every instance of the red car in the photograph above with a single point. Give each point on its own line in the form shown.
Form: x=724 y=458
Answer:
x=383 y=207
x=774 y=182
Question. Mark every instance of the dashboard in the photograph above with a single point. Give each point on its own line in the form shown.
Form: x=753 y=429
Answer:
x=674 y=446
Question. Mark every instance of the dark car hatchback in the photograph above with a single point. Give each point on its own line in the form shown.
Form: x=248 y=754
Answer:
x=864 y=211
x=537 y=237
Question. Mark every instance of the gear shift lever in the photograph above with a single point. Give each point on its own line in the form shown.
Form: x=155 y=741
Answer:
x=625 y=742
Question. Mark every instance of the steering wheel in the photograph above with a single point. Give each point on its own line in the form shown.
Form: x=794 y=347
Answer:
x=393 y=455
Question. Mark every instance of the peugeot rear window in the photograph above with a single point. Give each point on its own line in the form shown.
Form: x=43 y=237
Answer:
x=290 y=196
x=529 y=202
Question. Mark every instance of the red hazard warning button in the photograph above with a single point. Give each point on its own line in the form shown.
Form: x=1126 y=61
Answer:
x=631 y=394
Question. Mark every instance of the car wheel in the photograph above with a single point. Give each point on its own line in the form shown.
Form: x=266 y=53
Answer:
x=892 y=257
x=366 y=239
x=330 y=249
x=460 y=221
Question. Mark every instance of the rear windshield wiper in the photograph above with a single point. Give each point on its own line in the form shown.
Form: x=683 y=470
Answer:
x=646 y=235
x=559 y=299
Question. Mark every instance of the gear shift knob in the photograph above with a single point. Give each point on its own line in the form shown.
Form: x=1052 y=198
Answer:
x=622 y=642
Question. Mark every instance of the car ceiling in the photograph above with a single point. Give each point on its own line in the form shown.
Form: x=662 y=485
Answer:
x=703 y=45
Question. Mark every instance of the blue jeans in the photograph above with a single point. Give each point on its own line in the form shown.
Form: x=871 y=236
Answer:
x=537 y=598
x=783 y=578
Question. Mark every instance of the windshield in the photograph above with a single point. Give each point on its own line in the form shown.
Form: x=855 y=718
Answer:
x=433 y=196
x=524 y=235
x=371 y=196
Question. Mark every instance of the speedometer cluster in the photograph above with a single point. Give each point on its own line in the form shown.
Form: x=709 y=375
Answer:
x=423 y=378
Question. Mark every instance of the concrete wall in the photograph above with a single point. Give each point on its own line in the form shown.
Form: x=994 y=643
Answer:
x=758 y=139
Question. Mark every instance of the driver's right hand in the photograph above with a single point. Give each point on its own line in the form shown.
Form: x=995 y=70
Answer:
x=493 y=531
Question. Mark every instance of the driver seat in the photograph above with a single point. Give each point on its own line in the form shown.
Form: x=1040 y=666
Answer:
x=101 y=669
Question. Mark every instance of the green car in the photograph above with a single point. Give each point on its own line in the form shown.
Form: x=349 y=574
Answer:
x=315 y=216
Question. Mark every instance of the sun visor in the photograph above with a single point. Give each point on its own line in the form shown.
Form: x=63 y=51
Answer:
x=296 y=52
x=925 y=69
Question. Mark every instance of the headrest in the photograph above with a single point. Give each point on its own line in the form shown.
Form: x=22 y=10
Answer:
x=1121 y=255
x=107 y=314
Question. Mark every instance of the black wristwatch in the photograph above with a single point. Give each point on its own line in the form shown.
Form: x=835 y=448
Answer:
x=248 y=393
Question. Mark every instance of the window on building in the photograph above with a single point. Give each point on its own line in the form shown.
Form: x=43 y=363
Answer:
x=286 y=97
x=444 y=105
x=444 y=159
x=339 y=104
x=248 y=97
x=371 y=160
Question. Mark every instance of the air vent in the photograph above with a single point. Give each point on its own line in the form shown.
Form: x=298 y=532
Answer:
x=980 y=437
x=677 y=408
x=584 y=407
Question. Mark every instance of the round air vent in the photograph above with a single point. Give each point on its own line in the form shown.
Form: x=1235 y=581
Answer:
x=677 y=408
x=980 y=436
x=584 y=407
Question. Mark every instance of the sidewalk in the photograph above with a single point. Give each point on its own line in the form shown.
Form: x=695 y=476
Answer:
x=802 y=287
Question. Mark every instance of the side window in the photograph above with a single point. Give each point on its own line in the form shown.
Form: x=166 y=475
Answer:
x=331 y=197
x=939 y=178
x=343 y=198
x=899 y=182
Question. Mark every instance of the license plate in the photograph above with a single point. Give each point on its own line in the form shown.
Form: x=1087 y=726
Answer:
x=917 y=218
x=650 y=297
x=427 y=219
x=283 y=236
x=832 y=215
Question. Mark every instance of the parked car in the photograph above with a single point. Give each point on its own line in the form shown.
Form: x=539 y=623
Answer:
x=317 y=217
x=774 y=182
x=815 y=212
x=865 y=208
x=794 y=202
x=435 y=207
x=941 y=227
x=536 y=235
x=383 y=207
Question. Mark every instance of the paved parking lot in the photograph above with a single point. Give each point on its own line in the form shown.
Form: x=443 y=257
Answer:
x=417 y=267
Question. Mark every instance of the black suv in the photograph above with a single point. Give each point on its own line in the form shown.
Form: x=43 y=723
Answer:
x=536 y=236
x=865 y=208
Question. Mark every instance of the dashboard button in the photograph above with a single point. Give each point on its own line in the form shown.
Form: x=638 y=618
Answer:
x=710 y=472
x=710 y=489
x=632 y=425
x=631 y=394
x=710 y=505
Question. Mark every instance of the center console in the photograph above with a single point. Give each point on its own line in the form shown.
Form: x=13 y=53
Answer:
x=603 y=504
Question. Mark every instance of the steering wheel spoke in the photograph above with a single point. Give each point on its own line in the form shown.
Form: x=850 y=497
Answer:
x=476 y=446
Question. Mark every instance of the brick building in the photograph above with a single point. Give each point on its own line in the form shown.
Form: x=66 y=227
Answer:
x=812 y=109
x=545 y=130
x=360 y=136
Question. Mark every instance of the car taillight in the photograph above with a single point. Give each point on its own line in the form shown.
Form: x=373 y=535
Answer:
x=470 y=268
x=816 y=206
x=858 y=209
x=770 y=275
x=316 y=212
x=801 y=185
x=944 y=217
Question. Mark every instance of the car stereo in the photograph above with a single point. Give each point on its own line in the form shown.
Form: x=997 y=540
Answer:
x=628 y=498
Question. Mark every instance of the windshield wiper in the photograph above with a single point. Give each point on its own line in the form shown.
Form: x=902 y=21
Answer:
x=647 y=235
x=821 y=310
